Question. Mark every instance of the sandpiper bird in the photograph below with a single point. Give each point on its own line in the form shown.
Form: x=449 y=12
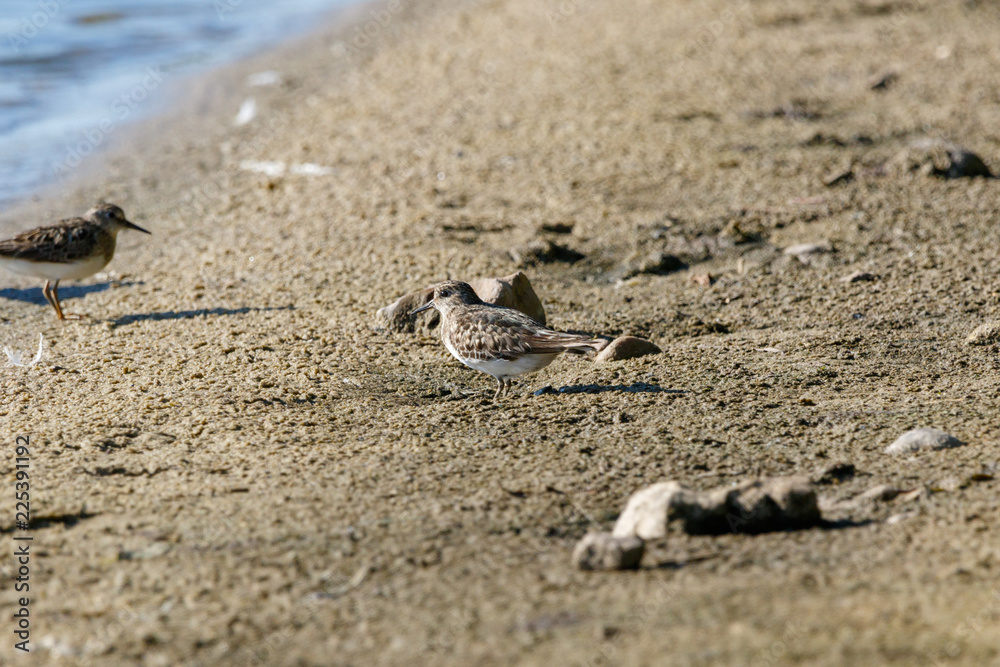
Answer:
x=68 y=250
x=502 y=342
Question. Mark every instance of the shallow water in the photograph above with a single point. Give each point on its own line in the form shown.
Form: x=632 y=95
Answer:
x=73 y=71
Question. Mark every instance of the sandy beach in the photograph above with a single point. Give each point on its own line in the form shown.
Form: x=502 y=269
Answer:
x=234 y=462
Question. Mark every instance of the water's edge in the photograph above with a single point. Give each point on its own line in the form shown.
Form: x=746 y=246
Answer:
x=52 y=149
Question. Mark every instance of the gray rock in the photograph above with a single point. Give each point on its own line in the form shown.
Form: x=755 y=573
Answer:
x=604 y=551
x=754 y=506
x=966 y=164
x=935 y=157
x=396 y=316
x=513 y=291
x=985 y=334
x=706 y=513
x=626 y=347
x=923 y=438
x=763 y=505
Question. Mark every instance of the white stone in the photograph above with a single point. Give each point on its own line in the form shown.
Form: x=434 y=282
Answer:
x=807 y=249
x=985 y=333
x=646 y=513
x=247 y=112
x=922 y=438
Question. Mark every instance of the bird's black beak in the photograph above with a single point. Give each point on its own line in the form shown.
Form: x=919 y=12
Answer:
x=135 y=227
x=426 y=306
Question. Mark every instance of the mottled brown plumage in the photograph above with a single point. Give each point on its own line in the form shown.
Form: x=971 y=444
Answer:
x=63 y=242
x=502 y=342
x=70 y=249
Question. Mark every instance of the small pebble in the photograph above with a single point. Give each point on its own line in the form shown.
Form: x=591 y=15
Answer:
x=913 y=494
x=807 y=249
x=604 y=551
x=985 y=333
x=703 y=279
x=883 y=81
x=950 y=484
x=835 y=473
x=839 y=176
x=807 y=252
x=879 y=493
x=966 y=164
x=923 y=438
x=626 y=347
x=858 y=277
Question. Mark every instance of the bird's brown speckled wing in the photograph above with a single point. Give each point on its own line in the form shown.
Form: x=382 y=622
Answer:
x=67 y=241
x=503 y=333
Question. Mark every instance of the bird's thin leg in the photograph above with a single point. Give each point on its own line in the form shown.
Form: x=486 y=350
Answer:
x=507 y=386
x=499 y=389
x=62 y=316
x=51 y=295
x=45 y=292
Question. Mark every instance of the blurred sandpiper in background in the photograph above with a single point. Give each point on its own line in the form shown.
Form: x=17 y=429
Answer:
x=72 y=72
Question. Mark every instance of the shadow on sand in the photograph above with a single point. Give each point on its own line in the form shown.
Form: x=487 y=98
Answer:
x=190 y=314
x=824 y=524
x=634 y=388
x=34 y=294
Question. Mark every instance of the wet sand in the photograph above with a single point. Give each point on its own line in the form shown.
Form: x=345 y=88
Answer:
x=233 y=463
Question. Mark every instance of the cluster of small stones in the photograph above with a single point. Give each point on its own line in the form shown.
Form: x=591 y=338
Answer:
x=753 y=506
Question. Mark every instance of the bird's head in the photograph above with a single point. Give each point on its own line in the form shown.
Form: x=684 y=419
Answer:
x=111 y=218
x=448 y=295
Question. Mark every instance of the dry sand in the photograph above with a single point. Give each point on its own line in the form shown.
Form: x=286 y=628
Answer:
x=232 y=463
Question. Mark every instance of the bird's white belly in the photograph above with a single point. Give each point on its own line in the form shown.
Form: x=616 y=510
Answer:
x=501 y=368
x=54 y=270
